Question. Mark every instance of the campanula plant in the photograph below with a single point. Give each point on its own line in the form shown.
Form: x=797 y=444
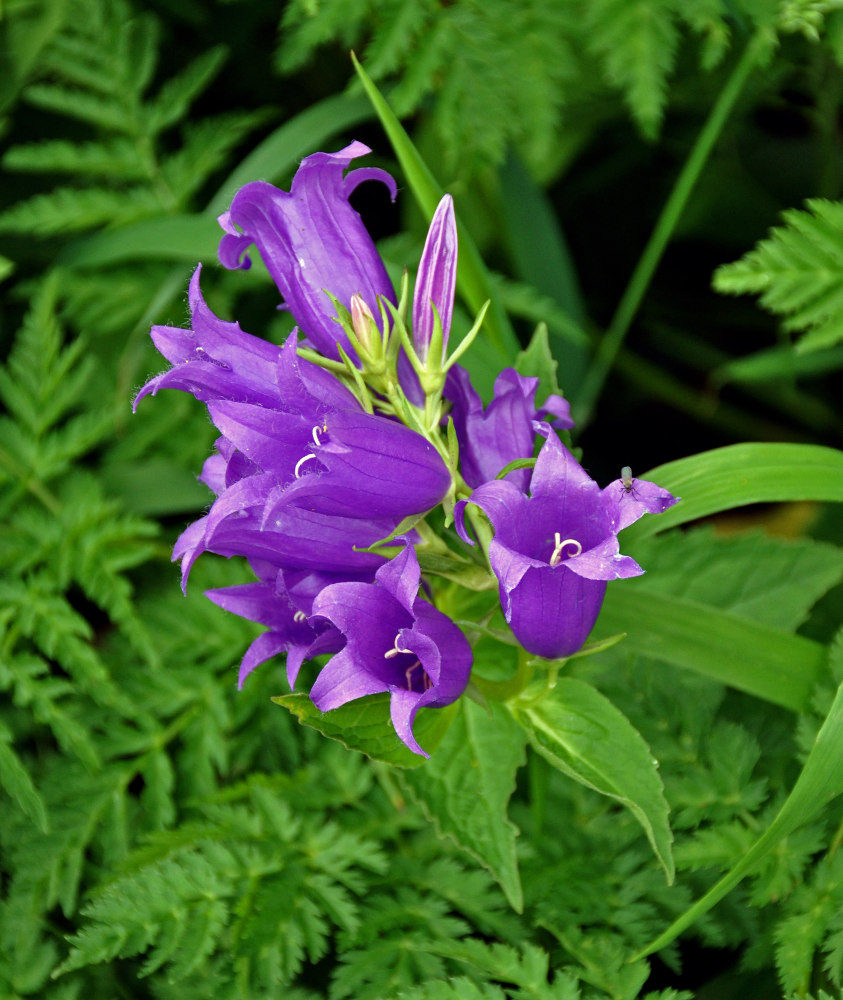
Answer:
x=346 y=453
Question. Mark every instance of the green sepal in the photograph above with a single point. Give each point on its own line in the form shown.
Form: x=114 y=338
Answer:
x=466 y=574
x=364 y=725
x=468 y=339
x=518 y=463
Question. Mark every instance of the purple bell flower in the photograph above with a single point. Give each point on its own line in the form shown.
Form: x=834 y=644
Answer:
x=554 y=551
x=492 y=438
x=436 y=281
x=395 y=641
x=312 y=240
x=303 y=474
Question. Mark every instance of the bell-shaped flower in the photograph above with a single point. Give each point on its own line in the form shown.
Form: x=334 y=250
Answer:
x=505 y=431
x=312 y=241
x=436 y=282
x=554 y=551
x=298 y=458
x=283 y=601
x=396 y=642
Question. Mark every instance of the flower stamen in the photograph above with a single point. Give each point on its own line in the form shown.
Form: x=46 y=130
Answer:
x=556 y=555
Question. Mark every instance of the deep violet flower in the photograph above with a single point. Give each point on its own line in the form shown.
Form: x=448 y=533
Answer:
x=436 y=281
x=554 y=551
x=302 y=473
x=492 y=438
x=312 y=240
x=395 y=641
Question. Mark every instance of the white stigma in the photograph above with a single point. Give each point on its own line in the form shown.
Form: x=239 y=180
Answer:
x=316 y=433
x=299 y=616
x=559 y=546
x=396 y=649
x=300 y=463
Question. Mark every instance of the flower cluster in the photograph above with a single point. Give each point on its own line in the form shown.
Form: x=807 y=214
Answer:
x=335 y=447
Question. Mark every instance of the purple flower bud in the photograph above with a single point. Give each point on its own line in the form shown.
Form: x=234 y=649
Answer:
x=394 y=641
x=554 y=551
x=436 y=280
x=312 y=240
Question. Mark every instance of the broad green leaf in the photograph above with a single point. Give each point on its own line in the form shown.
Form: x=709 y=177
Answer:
x=183 y=238
x=741 y=474
x=583 y=735
x=774 y=581
x=466 y=786
x=365 y=725
x=821 y=781
x=764 y=661
x=473 y=281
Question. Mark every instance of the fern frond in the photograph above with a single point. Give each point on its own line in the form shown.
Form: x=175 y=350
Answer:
x=637 y=43
x=798 y=273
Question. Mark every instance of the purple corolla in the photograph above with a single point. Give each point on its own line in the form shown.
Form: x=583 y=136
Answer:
x=554 y=550
x=505 y=431
x=299 y=459
x=395 y=641
x=312 y=241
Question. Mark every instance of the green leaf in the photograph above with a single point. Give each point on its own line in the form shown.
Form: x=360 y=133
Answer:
x=741 y=474
x=764 y=661
x=774 y=581
x=15 y=779
x=280 y=151
x=536 y=360
x=583 y=735
x=364 y=725
x=466 y=786
x=798 y=272
x=473 y=281
x=183 y=238
x=820 y=782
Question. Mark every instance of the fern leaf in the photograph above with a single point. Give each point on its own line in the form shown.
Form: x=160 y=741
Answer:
x=67 y=210
x=113 y=157
x=798 y=273
x=15 y=779
x=174 y=98
x=637 y=43
x=102 y=111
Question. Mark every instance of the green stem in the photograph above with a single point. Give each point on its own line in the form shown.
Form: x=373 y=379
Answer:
x=642 y=275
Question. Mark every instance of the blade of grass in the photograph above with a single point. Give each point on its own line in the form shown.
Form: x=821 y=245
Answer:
x=473 y=281
x=821 y=781
x=754 y=53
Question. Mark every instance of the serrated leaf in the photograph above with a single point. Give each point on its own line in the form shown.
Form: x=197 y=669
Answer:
x=16 y=781
x=798 y=272
x=467 y=784
x=820 y=781
x=582 y=734
x=364 y=725
x=637 y=42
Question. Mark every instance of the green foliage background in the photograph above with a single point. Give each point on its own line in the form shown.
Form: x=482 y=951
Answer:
x=165 y=836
